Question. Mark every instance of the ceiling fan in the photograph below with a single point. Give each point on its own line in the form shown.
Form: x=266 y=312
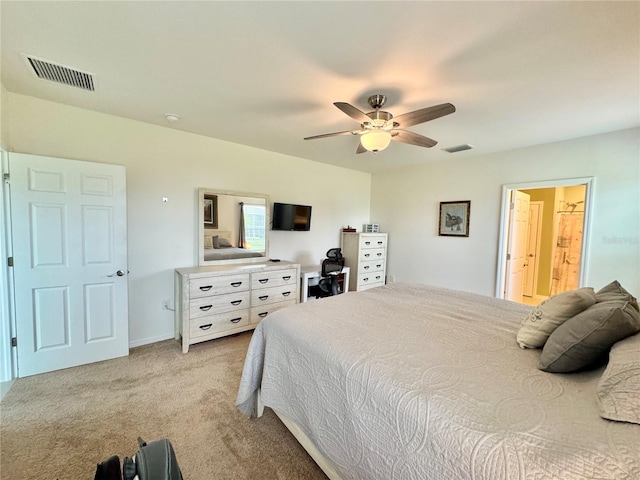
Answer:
x=378 y=128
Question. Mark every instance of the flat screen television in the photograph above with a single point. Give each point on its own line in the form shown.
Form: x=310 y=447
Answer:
x=287 y=216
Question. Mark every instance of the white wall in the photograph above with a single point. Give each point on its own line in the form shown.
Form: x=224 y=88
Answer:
x=406 y=202
x=163 y=162
x=4 y=125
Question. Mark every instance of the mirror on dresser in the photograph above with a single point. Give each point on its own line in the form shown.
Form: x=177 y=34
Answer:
x=223 y=216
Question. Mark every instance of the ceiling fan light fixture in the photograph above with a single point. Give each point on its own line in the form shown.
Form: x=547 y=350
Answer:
x=378 y=128
x=375 y=140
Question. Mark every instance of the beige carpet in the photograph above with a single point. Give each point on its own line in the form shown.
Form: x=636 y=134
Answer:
x=60 y=424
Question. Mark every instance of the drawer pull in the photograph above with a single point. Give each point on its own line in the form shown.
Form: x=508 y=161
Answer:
x=366 y=279
x=286 y=278
x=206 y=308
x=286 y=294
x=263 y=297
x=236 y=284
x=206 y=327
x=367 y=243
x=263 y=280
x=235 y=320
x=236 y=302
x=378 y=266
x=367 y=254
x=366 y=267
x=263 y=314
x=378 y=277
x=380 y=243
x=379 y=254
x=206 y=288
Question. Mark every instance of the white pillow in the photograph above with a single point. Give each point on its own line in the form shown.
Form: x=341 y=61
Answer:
x=552 y=313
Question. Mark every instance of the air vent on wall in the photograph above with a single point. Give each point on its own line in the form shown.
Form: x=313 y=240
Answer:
x=58 y=73
x=458 y=148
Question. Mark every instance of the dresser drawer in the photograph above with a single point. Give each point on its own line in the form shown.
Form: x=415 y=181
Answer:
x=266 y=296
x=370 y=278
x=367 y=254
x=370 y=285
x=258 y=313
x=273 y=279
x=201 y=307
x=373 y=241
x=219 y=323
x=371 y=267
x=203 y=287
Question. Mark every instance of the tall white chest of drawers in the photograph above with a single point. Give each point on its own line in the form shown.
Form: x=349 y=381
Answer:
x=221 y=300
x=366 y=255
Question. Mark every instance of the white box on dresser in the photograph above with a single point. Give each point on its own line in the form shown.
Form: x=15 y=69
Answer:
x=216 y=301
x=366 y=256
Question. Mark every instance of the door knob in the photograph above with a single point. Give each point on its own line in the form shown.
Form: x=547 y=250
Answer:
x=119 y=273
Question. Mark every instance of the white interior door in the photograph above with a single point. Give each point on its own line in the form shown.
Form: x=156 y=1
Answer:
x=533 y=248
x=70 y=262
x=519 y=218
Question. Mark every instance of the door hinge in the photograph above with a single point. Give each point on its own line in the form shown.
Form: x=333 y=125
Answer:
x=14 y=341
x=512 y=206
x=508 y=256
x=10 y=261
x=6 y=177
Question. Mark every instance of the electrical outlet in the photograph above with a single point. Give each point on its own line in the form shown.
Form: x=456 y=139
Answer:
x=392 y=278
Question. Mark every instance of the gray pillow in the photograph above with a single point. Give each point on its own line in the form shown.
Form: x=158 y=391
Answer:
x=223 y=243
x=584 y=339
x=551 y=313
x=615 y=291
x=619 y=387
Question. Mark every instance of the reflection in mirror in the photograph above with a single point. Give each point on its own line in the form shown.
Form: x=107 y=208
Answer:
x=232 y=227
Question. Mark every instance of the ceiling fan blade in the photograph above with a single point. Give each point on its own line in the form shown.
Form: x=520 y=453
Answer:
x=360 y=148
x=353 y=112
x=424 y=115
x=335 y=134
x=411 y=138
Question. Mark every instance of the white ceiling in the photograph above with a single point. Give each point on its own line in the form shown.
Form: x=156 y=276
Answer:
x=265 y=74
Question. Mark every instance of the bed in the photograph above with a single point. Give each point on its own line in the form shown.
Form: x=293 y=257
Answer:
x=408 y=381
x=229 y=253
x=218 y=246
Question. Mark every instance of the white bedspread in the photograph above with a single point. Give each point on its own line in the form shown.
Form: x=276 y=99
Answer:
x=414 y=382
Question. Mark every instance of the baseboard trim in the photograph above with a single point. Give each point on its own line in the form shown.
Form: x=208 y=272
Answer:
x=5 y=387
x=149 y=340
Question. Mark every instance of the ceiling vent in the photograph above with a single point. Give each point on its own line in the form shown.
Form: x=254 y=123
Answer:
x=458 y=148
x=58 y=73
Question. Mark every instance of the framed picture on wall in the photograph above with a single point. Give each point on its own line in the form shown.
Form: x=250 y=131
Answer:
x=211 y=211
x=454 y=219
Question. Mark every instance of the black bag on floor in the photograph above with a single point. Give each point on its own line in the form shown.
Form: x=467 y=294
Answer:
x=109 y=469
x=153 y=461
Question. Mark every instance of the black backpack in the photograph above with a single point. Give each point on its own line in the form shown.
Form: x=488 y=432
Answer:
x=153 y=461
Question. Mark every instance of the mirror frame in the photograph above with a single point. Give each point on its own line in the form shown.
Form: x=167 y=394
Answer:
x=214 y=191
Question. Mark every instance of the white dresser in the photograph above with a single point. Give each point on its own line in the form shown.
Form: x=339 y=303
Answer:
x=216 y=301
x=366 y=255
